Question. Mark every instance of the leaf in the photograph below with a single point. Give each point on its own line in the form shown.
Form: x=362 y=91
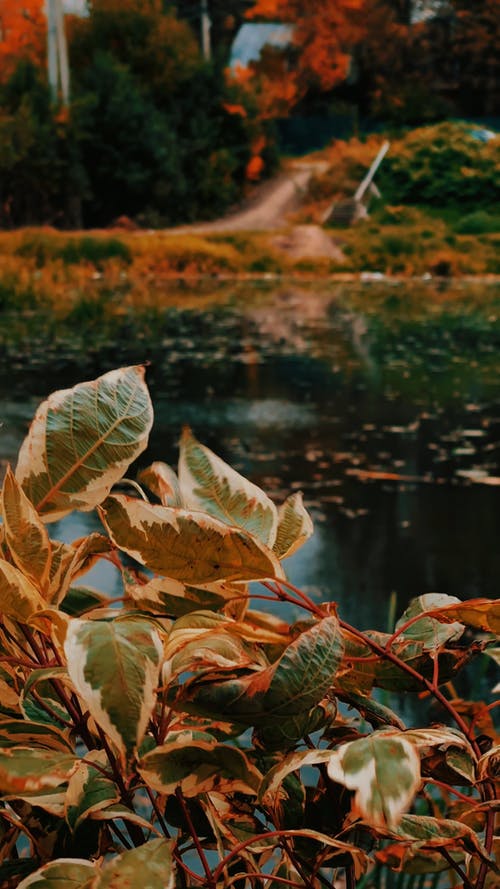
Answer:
x=285 y=734
x=295 y=526
x=163 y=482
x=421 y=838
x=292 y=685
x=22 y=733
x=188 y=546
x=429 y=630
x=27 y=770
x=114 y=667
x=19 y=598
x=483 y=614
x=489 y=765
x=270 y=791
x=172 y=597
x=384 y=772
x=210 y=485
x=198 y=767
x=25 y=533
x=82 y=440
x=70 y=873
x=151 y=866
x=445 y=754
x=89 y=790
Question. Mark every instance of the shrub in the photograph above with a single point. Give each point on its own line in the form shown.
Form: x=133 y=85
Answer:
x=478 y=223
x=442 y=165
x=179 y=736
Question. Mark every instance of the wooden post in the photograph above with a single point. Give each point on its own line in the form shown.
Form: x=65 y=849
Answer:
x=371 y=172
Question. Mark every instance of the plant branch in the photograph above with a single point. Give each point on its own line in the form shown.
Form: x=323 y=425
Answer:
x=196 y=840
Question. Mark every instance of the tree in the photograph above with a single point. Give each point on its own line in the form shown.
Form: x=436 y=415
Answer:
x=324 y=35
x=22 y=33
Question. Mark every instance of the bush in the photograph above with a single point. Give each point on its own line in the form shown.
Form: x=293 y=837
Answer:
x=442 y=166
x=181 y=737
x=478 y=223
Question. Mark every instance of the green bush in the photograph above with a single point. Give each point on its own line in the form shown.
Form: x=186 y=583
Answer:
x=478 y=223
x=442 y=166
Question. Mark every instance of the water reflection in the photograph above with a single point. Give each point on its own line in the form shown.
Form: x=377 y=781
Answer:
x=381 y=405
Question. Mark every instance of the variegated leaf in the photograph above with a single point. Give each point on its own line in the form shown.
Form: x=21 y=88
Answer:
x=483 y=614
x=19 y=598
x=198 y=767
x=163 y=482
x=384 y=772
x=70 y=873
x=27 y=770
x=89 y=790
x=25 y=533
x=192 y=547
x=427 y=629
x=114 y=668
x=150 y=866
x=23 y=733
x=82 y=440
x=295 y=526
x=51 y=800
x=69 y=562
x=292 y=685
x=420 y=839
x=166 y=596
x=210 y=485
x=270 y=791
x=445 y=753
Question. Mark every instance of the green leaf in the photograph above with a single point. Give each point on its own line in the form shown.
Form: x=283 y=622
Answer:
x=198 y=767
x=151 y=866
x=286 y=733
x=383 y=769
x=89 y=790
x=188 y=546
x=114 y=667
x=82 y=440
x=295 y=526
x=26 y=770
x=163 y=482
x=70 y=873
x=428 y=630
x=25 y=533
x=210 y=485
x=19 y=598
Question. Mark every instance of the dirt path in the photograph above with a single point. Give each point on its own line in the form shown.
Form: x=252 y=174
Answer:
x=268 y=210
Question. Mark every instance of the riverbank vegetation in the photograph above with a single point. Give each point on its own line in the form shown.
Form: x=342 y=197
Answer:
x=186 y=735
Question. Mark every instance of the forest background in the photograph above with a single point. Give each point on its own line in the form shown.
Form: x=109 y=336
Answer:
x=156 y=132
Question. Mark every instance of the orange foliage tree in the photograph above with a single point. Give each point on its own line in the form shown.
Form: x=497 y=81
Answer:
x=22 y=33
x=324 y=34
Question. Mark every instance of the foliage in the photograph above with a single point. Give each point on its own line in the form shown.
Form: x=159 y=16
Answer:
x=179 y=736
x=22 y=33
x=152 y=132
x=442 y=165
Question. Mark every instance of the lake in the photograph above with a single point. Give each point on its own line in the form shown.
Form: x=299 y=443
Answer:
x=380 y=401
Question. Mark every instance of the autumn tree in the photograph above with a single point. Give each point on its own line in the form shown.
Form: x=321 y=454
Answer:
x=324 y=34
x=22 y=33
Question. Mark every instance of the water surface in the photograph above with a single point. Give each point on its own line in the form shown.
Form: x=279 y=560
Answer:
x=380 y=402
